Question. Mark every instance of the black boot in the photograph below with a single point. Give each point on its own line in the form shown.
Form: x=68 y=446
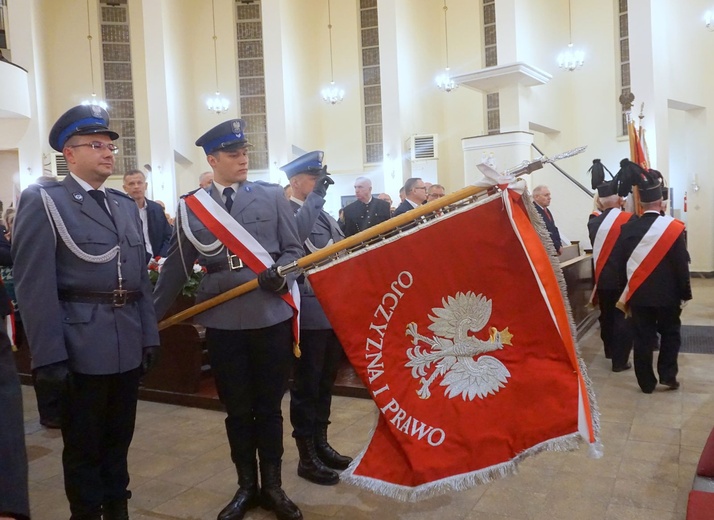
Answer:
x=272 y=496
x=312 y=468
x=246 y=498
x=326 y=453
x=115 y=510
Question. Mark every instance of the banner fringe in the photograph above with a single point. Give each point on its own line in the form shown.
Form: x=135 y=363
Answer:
x=596 y=449
x=457 y=482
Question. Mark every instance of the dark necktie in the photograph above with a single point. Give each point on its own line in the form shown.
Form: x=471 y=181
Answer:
x=228 y=194
x=99 y=196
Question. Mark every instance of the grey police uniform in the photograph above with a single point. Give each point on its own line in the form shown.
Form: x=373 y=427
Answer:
x=95 y=338
x=317 y=229
x=262 y=210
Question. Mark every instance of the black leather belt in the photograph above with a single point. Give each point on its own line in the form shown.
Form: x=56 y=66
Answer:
x=232 y=263
x=116 y=298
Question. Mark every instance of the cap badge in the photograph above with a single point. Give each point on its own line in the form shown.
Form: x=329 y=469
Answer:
x=96 y=110
x=236 y=127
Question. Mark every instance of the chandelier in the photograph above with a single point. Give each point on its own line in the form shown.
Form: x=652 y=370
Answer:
x=94 y=100
x=443 y=80
x=332 y=94
x=216 y=103
x=571 y=58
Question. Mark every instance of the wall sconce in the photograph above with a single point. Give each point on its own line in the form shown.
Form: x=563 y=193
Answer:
x=709 y=20
x=695 y=184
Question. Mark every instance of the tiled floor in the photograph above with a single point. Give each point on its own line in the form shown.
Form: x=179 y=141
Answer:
x=180 y=465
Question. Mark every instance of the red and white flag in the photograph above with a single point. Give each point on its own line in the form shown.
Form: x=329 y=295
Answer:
x=460 y=332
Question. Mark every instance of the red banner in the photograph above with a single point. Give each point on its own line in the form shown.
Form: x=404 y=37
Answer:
x=460 y=332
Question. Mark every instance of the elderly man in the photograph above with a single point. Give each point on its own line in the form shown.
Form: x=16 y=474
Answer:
x=240 y=230
x=414 y=195
x=604 y=229
x=366 y=211
x=653 y=265
x=541 y=197
x=435 y=191
x=316 y=370
x=205 y=180
x=96 y=332
x=156 y=228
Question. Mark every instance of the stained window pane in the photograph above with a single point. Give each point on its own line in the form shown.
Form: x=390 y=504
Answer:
x=368 y=17
x=118 y=90
x=489 y=13
x=250 y=31
x=115 y=33
x=491 y=56
x=248 y=68
x=116 y=52
x=250 y=49
x=625 y=49
x=371 y=76
x=248 y=12
x=624 y=29
x=117 y=71
x=370 y=56
x=625 y=73
x=373 y=115
x=121 y=109
x=372 y=95
x=374 y=153
x=112 y=14
x=252 y=87
x=365 y=4
x=252 y=105
x=374 y=134
x=370 y=37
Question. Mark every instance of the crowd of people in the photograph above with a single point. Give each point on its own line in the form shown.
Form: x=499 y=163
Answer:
x=80 y=251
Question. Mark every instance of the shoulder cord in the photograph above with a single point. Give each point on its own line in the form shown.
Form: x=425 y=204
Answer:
x=205 y=249
x=55 y=217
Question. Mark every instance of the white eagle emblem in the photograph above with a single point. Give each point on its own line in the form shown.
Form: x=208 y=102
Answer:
x=457 y=355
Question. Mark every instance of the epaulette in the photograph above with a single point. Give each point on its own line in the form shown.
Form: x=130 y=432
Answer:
x=190 y=193
x=117 y=192
x=47 y=184
x=267 y=184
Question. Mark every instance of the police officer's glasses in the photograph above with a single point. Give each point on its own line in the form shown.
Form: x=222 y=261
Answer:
x=96 y=145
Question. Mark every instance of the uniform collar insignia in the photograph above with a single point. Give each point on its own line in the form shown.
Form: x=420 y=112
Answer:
x=78 y=196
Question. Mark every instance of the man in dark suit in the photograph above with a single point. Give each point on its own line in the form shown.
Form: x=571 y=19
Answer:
x=414 y=195
x=14 y=501
x=655 y=291
x=79 y=258
x=156 y=228
x=604 y=229
x=249 y=338
x=366 y=211
x=541 y=197
x=316 y=369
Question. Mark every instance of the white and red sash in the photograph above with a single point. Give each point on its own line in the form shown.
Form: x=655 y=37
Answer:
x=242 y=244
x=650 y=251
x=606 y=237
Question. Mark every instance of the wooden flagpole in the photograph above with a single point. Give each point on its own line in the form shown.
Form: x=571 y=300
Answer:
x=383 y=228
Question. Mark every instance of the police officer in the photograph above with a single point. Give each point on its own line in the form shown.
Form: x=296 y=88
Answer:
x=316 y=369
x=249 y=338
x=81 y=280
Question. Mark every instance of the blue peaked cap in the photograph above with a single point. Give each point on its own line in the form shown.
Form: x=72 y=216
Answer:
x=80 y=120
x=310 y=163
x=227 y=136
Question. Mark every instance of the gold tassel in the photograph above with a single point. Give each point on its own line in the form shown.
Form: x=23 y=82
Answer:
x=296 y=349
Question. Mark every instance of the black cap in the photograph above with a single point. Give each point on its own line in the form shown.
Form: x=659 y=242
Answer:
x=80 y=120
x=310 y=162
x=227 y=136
x=607 y=189
x=651 y=192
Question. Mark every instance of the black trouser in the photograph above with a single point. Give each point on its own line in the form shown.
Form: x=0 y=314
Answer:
x=98 y=415
x=251 y=369
x=314 y=376
x=647 y=322
x=615 y=330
